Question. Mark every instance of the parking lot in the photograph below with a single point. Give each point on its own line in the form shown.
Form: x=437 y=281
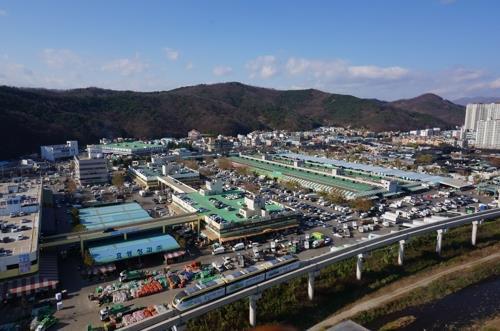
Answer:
x=323 y=225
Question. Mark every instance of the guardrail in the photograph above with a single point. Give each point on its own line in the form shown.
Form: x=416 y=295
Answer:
x=173 y=318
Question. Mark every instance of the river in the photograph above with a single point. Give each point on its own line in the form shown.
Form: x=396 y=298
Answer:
x=452 y=312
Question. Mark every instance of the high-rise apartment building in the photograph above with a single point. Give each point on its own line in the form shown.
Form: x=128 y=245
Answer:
x=476 y=112
x=488 y=134
x=482 y=125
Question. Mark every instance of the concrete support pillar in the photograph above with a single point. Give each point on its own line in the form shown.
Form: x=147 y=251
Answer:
x=474 y=232
x=125 y=236
x=310 y=286
x=439 y=241
x=253 y=309
x=164 y=229
x=181 y=327
x=401 y=252
x=198 y=227
x=359 y=266
x=81 y=247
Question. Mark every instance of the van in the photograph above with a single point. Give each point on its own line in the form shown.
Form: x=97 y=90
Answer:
x=219 y=250
x=238 y=247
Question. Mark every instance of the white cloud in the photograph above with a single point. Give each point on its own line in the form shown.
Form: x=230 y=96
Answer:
x=374 y=72
x=3 y=12
x=263 y=67
x=126 y=66
x=189 y=65
x=495 y=84
x=59 y=58
x=171 y=54
x=222 y=70
x=340 y=69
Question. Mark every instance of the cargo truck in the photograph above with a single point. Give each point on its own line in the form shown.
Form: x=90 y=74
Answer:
x=115 y=310
x=46 y=323
x=129 y=275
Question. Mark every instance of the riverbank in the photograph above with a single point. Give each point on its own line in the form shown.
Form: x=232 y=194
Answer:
x=451 y=302
x=336 y=287
x=421 y=287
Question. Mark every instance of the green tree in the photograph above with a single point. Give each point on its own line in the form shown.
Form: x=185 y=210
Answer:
x=224 y=163
x=292 y=185
x=361 y=205
x=336 y=198
x=424 y=159
x=75 y=216
x=118 y=180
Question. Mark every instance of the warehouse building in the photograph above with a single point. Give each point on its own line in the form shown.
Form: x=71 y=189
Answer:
x=352 y=180
x=109 y=216
x=133 y=248
x=125 y=148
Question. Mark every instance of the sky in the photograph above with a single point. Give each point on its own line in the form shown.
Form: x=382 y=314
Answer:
x=378 y=49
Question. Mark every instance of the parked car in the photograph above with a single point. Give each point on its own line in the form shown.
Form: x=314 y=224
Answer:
x=238 y=247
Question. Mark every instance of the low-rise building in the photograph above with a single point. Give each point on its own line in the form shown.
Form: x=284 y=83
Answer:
x=55 y=152
x=232 y=214
x=125 y=148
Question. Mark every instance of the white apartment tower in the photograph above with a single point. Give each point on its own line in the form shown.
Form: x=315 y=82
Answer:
x=476 y=112
x=482 y=125
x=488 y=134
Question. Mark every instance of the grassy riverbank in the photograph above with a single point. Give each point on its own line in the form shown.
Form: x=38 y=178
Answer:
x=337 y=286
x=434 y=291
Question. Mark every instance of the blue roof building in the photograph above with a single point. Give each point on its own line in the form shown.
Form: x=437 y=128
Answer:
x=133 y=248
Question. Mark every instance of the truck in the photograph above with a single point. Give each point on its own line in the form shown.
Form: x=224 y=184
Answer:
x=46 y=323
x=115 y=310
x=128 y=275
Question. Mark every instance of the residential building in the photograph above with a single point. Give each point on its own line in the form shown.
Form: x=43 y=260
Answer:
x=91 y=171
x=476 y=112
x=194 y=135
x=56 y=152
x=488 y=134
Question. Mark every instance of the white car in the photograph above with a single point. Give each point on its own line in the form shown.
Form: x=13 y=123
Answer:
x=238 y=247
x=219 y=250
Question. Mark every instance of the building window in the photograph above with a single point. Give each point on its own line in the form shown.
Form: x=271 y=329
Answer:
x=13 y=266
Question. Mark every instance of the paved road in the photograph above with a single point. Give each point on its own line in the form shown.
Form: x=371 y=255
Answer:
x=371 y=303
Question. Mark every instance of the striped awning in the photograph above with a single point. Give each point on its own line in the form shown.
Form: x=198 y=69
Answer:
x=46 y=278
x=101 y=269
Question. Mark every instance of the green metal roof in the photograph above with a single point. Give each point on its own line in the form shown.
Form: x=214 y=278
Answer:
x=326 y=179
x=201 y=201
x=131 y=145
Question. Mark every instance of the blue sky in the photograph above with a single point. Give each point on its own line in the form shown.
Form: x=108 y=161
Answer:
x=381 y=49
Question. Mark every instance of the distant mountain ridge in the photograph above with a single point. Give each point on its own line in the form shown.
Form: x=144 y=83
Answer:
x=33 y=117
x=467 y=100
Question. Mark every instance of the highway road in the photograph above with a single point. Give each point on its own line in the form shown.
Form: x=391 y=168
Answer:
x=315 y=264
